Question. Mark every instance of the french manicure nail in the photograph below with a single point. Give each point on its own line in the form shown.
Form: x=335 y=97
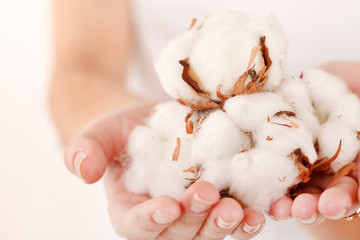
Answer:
x=160 y=218
x=309 y=220
x=340 y=215
x=225 y=225
x=79 y=158
x=278 y=219
x=199 y=205
x=249 y=229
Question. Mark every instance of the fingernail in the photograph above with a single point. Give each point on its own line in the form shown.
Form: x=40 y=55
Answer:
x=199 y=205
x=340 y=215
x=225 y=225
x=309 y=220
x=278 y=219
x=79 y=158
x=249 y=229
x=160 y=218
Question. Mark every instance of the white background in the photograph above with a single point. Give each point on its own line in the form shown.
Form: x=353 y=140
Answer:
x=39 y=199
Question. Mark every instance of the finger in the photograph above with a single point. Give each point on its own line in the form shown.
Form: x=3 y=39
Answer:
x=85 y=158
x=101 y=140
x=305 y=209
x=356 y=174
x=281 y=209
x=339 y=198
x=251 y=225
x=223 y=219
x=143 y=220
x=196 y=204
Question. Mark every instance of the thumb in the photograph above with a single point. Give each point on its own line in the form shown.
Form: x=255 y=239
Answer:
x=103 y=139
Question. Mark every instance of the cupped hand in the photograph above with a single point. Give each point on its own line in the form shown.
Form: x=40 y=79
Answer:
x=100 y=149
x=326 y=197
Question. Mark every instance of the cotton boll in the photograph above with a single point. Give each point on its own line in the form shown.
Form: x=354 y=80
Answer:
x=276 y=43
x=347 y=109
x=258 y=143
x=168 y=119
x=330 y=135
x=215 y=143
x=218 y=137
x=145 y=149
x=324 y=90
x=169 y=69
x=219 y=52
x=221 y=57
x=169 y=177
x=216 y=173
x=252 y=110
x=296 y=94
x=261 y=176
x=280 y=135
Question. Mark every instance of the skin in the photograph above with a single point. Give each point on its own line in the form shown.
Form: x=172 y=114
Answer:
x=329 y=198
x=95 y=114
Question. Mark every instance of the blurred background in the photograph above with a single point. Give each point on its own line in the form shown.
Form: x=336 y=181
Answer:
x=39 y=198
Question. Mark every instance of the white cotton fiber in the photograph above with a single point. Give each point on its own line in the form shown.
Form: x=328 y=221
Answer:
x=261 y=176
x=347 y=108
x=250 y=111
x=324 y=90
x=238 y=120
x=219 y=53
x=296 y=94
x=169 y=178
x=146 y=150
x=330 y=135
x=169 y=70
x=216 y=141
x=278 y=135
x=277 y=44
x=168 y=119
x=227 y=60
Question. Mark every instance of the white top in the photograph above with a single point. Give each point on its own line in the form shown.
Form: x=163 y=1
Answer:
x=318 y=32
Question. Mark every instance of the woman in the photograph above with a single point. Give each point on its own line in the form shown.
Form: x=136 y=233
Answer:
x=95 y=44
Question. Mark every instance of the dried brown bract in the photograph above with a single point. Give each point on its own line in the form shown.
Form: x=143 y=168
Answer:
x=268 y=138
x=258 y=80
x=200 y=105
x=281 y=124
x=323 y=164
x=267 y=59
x=190 y=77
x=196 y=170
x=225 y=193
x=287 y=113
x=283 y=179
x=189 y=124
x=252 y=142
x=316 y=146
x=177 y=150
x=292 y=123
x=192 y=24
x=303 y=164
x=346 y=170
x=222 y=96
x=199 y=122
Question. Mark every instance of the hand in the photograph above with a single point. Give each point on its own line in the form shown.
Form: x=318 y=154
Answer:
x=198 y=214
x=325 y=197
